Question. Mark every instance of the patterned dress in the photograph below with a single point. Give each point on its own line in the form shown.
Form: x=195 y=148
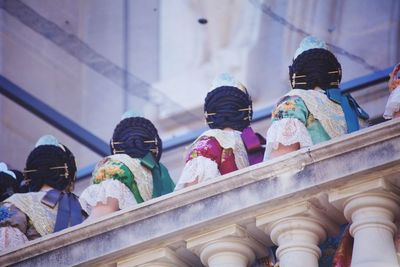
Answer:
x=23 y=217
x=306 y=117
x=129 y=180
x=214 y=153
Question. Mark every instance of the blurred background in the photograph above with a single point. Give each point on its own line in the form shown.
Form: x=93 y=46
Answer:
x=91 y=60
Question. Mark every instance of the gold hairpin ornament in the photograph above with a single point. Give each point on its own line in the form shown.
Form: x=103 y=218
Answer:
x=338 y=71
x=334 y=83
x=113 y=147
x=115 y=143
x=28 y=171
x=294 y=77
x=65 y=167
x=246 y=109
x=294 y=83
x=59 y=167
x=209 y=114
x=151 y=141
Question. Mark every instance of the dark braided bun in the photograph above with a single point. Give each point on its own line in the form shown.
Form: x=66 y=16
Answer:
x=136 y=136
x=8 y=186
x=44 y=157
x=23 y=186
x=226 y=101
x=320 y=67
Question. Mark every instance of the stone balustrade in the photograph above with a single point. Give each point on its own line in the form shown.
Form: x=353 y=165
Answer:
x=294 y=201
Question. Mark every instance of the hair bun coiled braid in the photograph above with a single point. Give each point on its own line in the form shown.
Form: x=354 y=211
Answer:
x=315 y=67
x=228 y=107
x=50 y=165
x=136 y=136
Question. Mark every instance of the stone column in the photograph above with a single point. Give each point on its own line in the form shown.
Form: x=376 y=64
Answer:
x=159 y=257
x=226 y=247
x=371 y=207
x=297 y=230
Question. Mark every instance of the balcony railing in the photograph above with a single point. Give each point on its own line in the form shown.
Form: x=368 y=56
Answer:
x=294 y=201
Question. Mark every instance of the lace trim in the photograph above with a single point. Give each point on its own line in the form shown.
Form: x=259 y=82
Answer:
x=11 y=237
x=393 y=104
x=96 y=193
x=286 y=131
x=329 y=114
x=200 y=168
x=43 y=217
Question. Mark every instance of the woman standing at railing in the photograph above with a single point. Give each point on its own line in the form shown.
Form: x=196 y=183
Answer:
x=392 y=109
x=50 y=206
x=132 y=175
x=312 y=112
x=230 y=144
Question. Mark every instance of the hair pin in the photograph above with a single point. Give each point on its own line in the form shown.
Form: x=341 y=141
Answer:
x=58 y=167
x=294 y=76
x=151 y=141
x=65 y=167
x=209 y=114
x=28 y=171
x=115 y=143
x=245 y=109
x=294 y=83
x=339 y=71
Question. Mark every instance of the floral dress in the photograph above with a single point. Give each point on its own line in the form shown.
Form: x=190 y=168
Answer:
x=214 y=153
x=306 y=117
x=129 y=180
x=24 y=217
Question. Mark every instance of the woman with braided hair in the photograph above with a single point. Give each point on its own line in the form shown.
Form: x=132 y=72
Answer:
x=315 y=109
x=312 y=112
x=132 y=175
x=50 y=206
x=230 y=144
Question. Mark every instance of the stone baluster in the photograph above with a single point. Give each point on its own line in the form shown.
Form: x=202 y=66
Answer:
x=297 y=230
x=371 y=208
x=230 y=246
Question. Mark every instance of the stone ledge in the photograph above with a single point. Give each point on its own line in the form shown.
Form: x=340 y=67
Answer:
x=305 y=174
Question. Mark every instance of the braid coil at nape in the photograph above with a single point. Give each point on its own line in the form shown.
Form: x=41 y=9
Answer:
x=46 y=165
x=315 y=67
x=136 y=136
x=8 y=185
x=228 y=107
